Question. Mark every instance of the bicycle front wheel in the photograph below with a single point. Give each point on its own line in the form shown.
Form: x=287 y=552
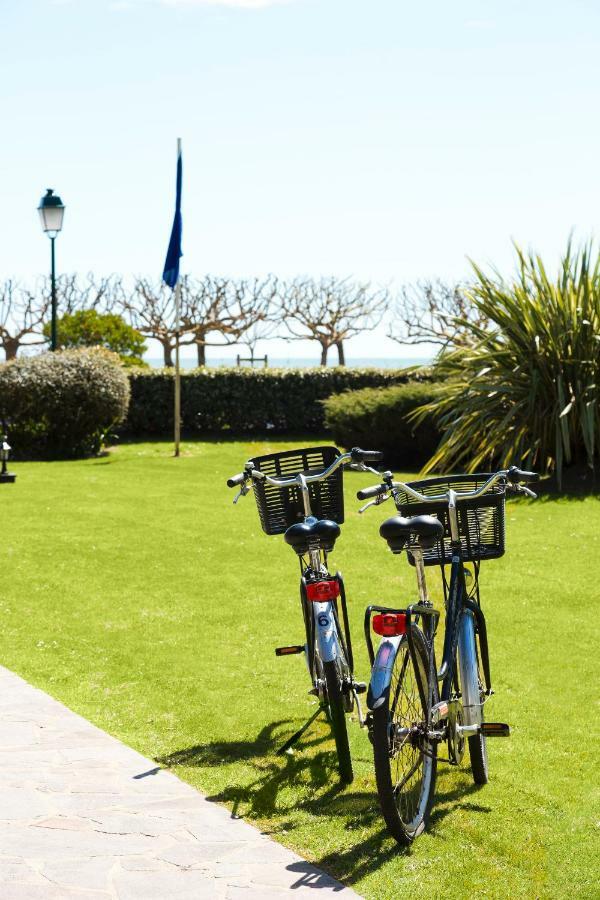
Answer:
x=337 y=716
x=473 y=695
x=405 y=760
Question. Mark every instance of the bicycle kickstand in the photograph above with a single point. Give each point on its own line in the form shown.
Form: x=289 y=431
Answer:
x=298 y=734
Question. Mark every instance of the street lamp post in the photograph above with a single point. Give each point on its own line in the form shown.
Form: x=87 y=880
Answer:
x=52 y=210
x=6 y=477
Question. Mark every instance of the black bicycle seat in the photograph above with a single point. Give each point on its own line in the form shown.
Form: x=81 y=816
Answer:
x=320 y=534
x=398 y=530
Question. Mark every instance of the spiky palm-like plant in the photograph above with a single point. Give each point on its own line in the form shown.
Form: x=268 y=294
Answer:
x=527 y=388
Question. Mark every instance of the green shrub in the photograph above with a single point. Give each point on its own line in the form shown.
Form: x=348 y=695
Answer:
x=61 y=405
x=245 y=401
x=376 y=419
x=89 y=328
x=527 y=390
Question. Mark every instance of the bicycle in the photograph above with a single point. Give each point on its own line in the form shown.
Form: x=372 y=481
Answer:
x=409 y=716
x=299 y=493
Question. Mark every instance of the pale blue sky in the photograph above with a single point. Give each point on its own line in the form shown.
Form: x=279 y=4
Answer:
x=382 y=139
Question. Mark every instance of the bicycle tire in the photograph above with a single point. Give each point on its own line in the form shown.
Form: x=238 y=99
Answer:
x=337 y=717
x=404 y=693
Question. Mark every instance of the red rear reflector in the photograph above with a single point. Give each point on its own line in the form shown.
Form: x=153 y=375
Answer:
x=389 y=624
x=321 y=591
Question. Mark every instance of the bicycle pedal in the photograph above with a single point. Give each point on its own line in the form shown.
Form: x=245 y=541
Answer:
x=494 y=729
x=288 y=651
x=359 y=687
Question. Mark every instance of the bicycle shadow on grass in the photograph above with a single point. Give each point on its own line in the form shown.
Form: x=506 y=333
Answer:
x=260 y=796
x=314 y=767
x=218 y=753
x=369 y=854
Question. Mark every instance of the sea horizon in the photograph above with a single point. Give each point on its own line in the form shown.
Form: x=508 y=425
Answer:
x=301 y=362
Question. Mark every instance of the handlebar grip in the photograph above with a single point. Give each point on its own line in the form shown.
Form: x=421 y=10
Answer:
x=516 y=475
x=359 y=455
x=374 y=491
x=236 y=479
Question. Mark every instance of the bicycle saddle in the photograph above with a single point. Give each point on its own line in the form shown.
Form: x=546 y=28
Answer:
x=318 y=533
x=398 y=530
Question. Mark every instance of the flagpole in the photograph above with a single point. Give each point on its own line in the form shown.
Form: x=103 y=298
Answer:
x=177 y=410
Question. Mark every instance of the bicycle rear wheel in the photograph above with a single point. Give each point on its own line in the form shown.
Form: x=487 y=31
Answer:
x=405 y=761
x=337 y=716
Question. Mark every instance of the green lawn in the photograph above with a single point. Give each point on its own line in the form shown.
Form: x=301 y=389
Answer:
x=132 y=590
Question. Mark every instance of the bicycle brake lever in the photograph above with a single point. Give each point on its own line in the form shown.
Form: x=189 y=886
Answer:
x=242 y=492
x=362 y=467
x=376 y=502
x=528 y=491
x=521 y=489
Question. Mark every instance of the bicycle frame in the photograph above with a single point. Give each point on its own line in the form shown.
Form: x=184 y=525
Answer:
x=423 y=613
x=321 y=620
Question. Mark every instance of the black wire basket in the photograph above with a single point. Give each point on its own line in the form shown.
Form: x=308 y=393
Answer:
x=480 y=520
x=279 y=508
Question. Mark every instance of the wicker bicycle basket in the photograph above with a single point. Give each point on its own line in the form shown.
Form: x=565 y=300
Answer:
x=480 y=520
x=279 y=508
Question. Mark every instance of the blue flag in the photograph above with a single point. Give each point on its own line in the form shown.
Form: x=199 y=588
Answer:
x=171 y=270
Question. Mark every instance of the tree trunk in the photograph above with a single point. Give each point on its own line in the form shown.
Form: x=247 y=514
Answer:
x=201 y=348
x=10 y=348
x=341 y=355
x=324 y=349
x=168 y=353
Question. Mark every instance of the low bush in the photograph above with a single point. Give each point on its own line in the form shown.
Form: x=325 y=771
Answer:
x=61 y=405
x=376 y=419
x=245 y=401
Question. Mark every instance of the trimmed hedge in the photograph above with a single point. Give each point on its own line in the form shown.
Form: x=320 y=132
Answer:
x=245 y=401
x=61 y=405
x=376 y=418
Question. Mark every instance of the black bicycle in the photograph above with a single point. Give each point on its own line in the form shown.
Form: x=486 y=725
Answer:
x=414 y=706
x=299 y=493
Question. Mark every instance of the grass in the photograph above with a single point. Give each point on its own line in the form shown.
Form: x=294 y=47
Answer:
x=132 y=590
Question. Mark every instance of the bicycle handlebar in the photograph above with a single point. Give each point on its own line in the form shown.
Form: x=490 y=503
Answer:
x=356 y=456
x=361 y=456
x=375 y=491
x=512 y=475
x=515 y=475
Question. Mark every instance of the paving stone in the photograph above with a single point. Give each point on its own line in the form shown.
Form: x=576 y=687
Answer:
x=15 y=891
x=16 y=869
x=184 y=883
x=93 y=873
x=83 y=817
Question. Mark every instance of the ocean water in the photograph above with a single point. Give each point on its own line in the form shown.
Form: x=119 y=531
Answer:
x=296 y=362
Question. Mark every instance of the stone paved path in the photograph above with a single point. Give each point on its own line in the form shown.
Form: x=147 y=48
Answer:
x=82 y=817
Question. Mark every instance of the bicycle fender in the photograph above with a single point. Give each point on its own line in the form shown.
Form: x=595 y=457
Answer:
x=325 y=630
x=381 y=673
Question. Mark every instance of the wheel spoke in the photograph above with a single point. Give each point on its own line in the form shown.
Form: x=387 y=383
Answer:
x=406 y=713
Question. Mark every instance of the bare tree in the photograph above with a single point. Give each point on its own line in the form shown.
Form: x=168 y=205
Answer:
x=151 y=310
x=432 y=312
x=219 y=312
x=330 y=311
x=22 y=315
x=261 y=330
x=74 y=293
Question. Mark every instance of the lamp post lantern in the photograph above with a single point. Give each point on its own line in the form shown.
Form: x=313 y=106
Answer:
x=6 y=477
x=52 y=210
